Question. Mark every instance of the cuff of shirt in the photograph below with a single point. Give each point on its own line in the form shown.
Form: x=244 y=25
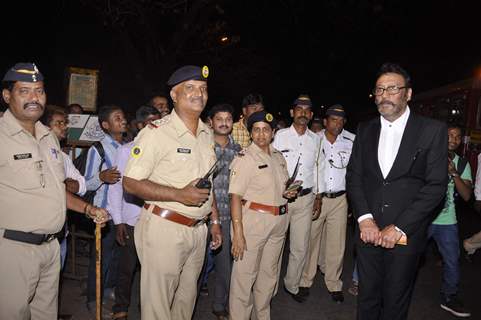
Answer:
x=94 y=182
x=364 y=217
x=397 y=229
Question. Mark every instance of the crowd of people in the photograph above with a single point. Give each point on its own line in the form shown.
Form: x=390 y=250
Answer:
x=179 y=197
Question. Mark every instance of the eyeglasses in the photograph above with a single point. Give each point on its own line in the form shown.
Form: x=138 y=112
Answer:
x=391 y=90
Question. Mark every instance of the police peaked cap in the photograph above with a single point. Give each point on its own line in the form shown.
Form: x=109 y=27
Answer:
x=303 y=100
x=25 y=72
x=188 y=73
x=336 y=110
x=261 y=116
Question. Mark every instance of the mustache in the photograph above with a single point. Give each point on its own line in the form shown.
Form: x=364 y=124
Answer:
x=303 y=117
x=385 y=102
x=30 y=104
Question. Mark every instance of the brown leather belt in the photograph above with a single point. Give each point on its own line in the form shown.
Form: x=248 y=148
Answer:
x=274 y=210
x=174 y=216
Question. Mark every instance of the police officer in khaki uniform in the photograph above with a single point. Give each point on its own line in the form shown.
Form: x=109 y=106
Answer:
x=33 y=201
x=166 y=164
x=259 y=220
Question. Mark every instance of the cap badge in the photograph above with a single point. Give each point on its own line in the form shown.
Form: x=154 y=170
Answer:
x=269 y=117
x=205 y=72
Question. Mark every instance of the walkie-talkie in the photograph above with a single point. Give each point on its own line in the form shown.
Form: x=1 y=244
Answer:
x=204 y=182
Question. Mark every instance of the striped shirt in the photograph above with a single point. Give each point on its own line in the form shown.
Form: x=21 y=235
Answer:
x=92 y=171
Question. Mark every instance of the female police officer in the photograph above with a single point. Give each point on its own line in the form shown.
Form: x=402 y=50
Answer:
x=258 y=208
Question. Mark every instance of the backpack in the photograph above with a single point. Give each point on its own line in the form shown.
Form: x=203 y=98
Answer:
x=81 y=164
x=462 y=162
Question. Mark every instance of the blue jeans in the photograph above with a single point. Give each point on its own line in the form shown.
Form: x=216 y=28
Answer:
x=208 y=267
x=63 y=252
x=447 y=239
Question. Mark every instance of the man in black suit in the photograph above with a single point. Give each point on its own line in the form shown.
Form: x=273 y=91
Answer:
x=396 y=177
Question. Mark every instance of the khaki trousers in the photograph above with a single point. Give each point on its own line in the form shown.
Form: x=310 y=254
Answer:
x=322 y=251
x=300 y=219
x=334 y=218
x=255 y=276
x=171 y=256
x=29 y=276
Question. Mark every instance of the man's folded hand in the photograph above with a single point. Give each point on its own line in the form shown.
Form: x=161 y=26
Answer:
x=389 y=237
x=369 y=231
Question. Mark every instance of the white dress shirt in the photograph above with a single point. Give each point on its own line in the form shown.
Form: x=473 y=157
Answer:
x=72 y=173
x=389 y=142
x=299 y=147
x=336 y=157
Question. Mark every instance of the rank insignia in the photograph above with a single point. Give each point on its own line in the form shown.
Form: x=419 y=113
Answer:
x=136 y=152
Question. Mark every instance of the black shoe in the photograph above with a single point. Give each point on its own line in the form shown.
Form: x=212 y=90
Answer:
x=303 y=291
x=296 y=297
x=64 y=316
x=455 y=306
x=337 y=296
x=221 y=315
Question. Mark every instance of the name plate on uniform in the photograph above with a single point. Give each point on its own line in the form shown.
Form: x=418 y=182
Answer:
x=22 y=156
x=183 y=150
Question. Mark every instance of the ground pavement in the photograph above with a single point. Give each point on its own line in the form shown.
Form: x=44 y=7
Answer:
x=319 y=306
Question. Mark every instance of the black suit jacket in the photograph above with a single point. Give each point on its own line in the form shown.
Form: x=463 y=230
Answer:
x=413 y=188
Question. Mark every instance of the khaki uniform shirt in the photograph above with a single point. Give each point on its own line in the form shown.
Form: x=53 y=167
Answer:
x=172 y=156
x=259 y=177
x=32 y=174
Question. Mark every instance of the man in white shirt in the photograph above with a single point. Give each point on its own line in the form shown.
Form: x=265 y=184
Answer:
x=336 y=146
x=56 y=119
x=299 y=146
x=395 y=179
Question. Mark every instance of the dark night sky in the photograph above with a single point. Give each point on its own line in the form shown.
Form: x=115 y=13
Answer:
x=286 y=47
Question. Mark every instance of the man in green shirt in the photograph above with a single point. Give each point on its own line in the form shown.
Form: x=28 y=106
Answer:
x=444 y=229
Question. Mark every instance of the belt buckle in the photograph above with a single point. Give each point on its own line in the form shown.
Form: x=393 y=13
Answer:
x=198 y=223
x=49 y=237
x=282 y=210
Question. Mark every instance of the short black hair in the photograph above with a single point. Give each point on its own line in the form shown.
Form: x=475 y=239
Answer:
x=158 y=95
x=455 y=125
x=252 y=98
x=144 y=112
x=8 y=85
x=221 y=107
x=50 y=111
x=73 y=105
x=390 y=67
x=106 y=111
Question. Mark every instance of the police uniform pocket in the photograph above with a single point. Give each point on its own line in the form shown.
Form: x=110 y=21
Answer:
x=24 y=174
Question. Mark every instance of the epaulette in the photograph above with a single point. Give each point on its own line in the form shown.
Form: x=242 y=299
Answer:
x=241 y=153
x=344 y=137
x=159 y=122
